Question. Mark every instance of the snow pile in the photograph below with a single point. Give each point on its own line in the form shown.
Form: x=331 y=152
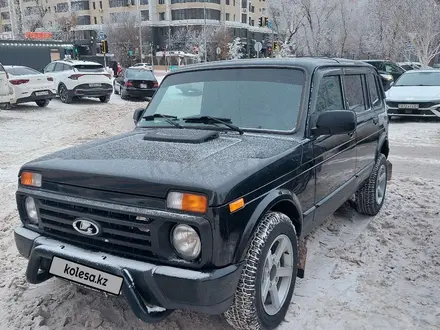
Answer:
x=361 y=272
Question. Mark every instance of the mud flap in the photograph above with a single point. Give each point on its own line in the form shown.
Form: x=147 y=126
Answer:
x=389 y=170
x=302 y=249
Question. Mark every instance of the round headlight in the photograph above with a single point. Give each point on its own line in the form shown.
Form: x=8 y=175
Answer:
x=31 y=210
x=186 y=241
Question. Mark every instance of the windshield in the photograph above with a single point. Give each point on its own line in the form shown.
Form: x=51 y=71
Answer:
x=253 y=98
x=21 y=71
x=419 y=79
x=89 y=67
x=139 y=74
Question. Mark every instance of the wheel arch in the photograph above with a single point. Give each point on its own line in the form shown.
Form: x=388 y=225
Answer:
x=281 y=200
x=383 y=146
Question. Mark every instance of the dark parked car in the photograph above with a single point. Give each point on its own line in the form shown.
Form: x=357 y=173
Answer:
x=207 y=204
x=388 y=70
x=135 y=82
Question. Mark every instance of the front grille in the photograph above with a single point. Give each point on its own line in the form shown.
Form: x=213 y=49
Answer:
x=422 y=105
x=121 y=234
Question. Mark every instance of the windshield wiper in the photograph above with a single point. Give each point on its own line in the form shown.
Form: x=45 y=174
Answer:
x=213 y=120
x=167 y=118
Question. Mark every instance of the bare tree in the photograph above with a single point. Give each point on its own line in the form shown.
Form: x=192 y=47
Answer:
x=286 y=17
x=18 y=17
x=123 y=37
x=64 y=25
x=419 y=21
x=34 y=15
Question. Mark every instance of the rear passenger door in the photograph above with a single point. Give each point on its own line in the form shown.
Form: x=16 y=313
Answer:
x=335 y=155
x=357 y=98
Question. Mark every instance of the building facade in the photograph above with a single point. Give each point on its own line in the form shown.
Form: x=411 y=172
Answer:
x=163 y=16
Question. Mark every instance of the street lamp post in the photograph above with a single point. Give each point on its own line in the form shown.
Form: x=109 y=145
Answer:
x=204 y=30
x=138 y=4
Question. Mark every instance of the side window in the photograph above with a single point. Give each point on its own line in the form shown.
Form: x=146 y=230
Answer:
x=67 y=67
x=49 y=68
x=329 y=94
x=354 y=94
x=374 y=91
x=58 y=67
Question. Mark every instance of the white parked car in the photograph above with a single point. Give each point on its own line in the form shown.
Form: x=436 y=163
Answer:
x=73 y=78
x=5 y=89
x=415 y=94
x=147 y=66
x=29 y=85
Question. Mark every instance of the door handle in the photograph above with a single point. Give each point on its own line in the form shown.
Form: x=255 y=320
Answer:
x=375 y=120
x=351 y=134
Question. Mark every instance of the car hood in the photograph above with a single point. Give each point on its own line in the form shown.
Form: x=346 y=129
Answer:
x=413 y=93
x=129 y=163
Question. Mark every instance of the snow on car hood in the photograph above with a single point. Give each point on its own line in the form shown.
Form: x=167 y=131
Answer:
x=127 y=163
x=413 y=93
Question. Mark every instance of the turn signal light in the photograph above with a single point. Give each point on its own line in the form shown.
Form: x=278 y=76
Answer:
x=187 y=202
x=31 y=179
x=128 y=83
x=236 y=205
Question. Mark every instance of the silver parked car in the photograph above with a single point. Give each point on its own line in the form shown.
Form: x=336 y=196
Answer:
x=415 y=94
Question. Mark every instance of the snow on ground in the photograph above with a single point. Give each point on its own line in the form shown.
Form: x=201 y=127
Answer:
x=362 y=273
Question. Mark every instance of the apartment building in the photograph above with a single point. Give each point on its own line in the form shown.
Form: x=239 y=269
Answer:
x=6 y=28
x=163 y=16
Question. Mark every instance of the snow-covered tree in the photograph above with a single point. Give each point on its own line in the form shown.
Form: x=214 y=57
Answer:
x=235 y=49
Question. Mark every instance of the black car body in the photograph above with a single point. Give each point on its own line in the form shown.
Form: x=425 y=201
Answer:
x=136 y=82
x=192 y=212
x=388 y=70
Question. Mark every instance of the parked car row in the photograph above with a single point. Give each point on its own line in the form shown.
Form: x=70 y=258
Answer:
x=70 y=79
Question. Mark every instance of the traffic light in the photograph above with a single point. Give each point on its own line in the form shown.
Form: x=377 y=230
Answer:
x=260 y=22
x=104 y=47
x=269 y=51
x=276 y=47
x=265 y=21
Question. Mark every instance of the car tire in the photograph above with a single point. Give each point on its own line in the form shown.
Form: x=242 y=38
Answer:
x=371 y=195
x=249 y=310
x=105 y=98
x=114 y=88
x=43 y=103
x=64 y=94
x=123 y=95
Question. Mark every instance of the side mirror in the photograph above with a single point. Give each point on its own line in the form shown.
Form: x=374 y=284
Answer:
x=335 y=122
x=137 y=115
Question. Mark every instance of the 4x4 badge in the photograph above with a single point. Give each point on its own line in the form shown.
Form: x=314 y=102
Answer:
x=86 y=227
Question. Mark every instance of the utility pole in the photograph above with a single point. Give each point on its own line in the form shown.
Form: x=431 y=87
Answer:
x=204 y=30
x=138 y=4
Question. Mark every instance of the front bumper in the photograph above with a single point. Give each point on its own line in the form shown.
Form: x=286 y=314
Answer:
x=421 y=112
x=209 y=292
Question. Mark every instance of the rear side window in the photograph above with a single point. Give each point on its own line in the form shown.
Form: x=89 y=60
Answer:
x=374 y=91
x=89 y=67
x=354 y=92
x=21 y=71
x=329 y=94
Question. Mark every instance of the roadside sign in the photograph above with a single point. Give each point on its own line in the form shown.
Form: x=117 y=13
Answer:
x=218 y=50
x=101 y=35
x=258 y=46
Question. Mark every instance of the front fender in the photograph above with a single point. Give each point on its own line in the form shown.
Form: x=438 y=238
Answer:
x=268 y=202
x=383 y=138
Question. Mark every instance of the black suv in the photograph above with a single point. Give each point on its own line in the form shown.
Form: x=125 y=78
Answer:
x=388 y=70
x=206 y=204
